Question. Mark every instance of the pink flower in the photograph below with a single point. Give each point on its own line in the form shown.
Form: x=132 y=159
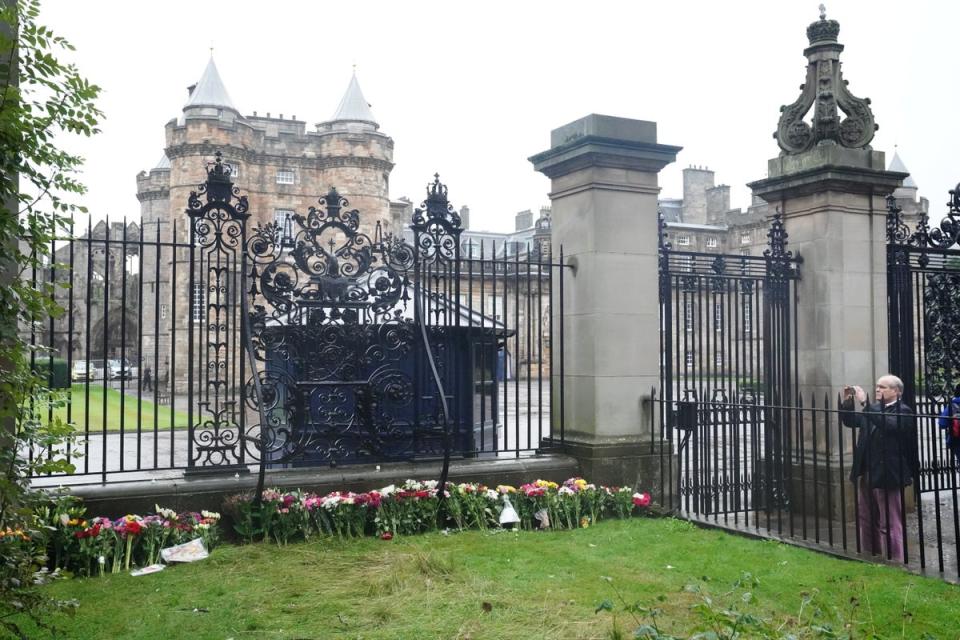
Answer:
x=386 y=535
x=641 y=499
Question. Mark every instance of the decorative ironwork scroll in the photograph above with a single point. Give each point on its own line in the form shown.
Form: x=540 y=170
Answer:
x=333 y=338
x=923 y=294
x=218 y=215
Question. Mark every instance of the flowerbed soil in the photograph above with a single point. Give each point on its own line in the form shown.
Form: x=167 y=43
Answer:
x=474 y=585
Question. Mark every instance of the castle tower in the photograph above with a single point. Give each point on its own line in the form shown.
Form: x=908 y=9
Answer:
x=357 y=158
x=283 y=168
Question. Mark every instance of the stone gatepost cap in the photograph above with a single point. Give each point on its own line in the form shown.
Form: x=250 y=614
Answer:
x=604 y=141
x=600 y=126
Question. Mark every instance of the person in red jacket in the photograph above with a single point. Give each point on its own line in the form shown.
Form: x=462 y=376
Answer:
x=882 y=466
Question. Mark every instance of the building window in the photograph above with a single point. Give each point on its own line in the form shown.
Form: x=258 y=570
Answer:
x=163 y=312
x=494 y=307
x=744 y=252
x=688 y=315
x=746 y=316
x=683 y=240
x=234 y=170
x=688 y=359
x=718 y=316
x=745 y=237
x=280 y=216
x=197 y=302
x=285 y=176
x=712 y=242
x=718 y=359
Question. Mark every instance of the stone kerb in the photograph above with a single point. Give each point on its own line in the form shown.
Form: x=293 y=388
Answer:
x=604 y=189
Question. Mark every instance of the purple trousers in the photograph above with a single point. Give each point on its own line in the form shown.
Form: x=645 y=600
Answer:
x=880 y=518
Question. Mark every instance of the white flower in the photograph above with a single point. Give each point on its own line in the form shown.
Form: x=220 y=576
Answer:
x=64 y=518
x=101 y=560
x=169 y=514
x=491 y=495
x=388 y=491
x=210 y=515
x=565 y=491
x=429 y=485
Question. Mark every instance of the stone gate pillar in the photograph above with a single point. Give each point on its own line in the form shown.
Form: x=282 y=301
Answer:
x=830 y=186
x=604 y=199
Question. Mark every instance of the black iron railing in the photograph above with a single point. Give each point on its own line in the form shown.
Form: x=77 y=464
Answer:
x=158 y=378
x=782 y=469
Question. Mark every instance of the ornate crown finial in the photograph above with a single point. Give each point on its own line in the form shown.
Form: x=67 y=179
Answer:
x=823 y=30
x=827 y=90
x=219 y=185
x=436 y=207
x=436 y=191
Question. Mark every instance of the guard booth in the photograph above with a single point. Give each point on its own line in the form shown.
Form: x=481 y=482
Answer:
x=363 y=350
x=353 y=408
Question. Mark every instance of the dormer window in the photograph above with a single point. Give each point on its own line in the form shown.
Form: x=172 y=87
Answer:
x=683 y=240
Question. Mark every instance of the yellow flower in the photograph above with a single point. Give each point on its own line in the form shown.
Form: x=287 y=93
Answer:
x=580 y=482
x=584 y=522
x=505 y=488
x=546 y=484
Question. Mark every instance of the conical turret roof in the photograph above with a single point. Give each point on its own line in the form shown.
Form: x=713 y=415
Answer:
x=163 y=163
x=354 y=106
x=897 y=165
x=210 y=92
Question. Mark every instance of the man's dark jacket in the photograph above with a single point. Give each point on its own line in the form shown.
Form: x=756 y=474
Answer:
x=886 y=440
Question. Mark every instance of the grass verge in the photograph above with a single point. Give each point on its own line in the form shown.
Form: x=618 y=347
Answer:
x=89 y=409
x=474 y=585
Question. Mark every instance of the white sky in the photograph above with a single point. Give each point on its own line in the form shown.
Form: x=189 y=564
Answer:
x=471 y=89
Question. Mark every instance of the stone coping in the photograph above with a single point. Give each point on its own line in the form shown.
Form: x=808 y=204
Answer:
x=208 y=491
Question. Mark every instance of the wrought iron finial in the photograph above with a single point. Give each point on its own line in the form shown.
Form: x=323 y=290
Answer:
x=662 y=241
x=826 y=92
x=219 y=185
x=897 y=231
x=777 y=239
x=436 y=224
x=436 y=207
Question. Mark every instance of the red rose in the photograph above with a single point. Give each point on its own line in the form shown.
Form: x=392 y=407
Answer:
x=133 y=528
x=386 y=535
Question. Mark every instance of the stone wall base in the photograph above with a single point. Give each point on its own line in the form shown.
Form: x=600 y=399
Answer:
x=208 y=491
x=632 y=464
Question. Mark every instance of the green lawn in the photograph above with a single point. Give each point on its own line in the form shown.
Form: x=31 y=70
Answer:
x=505 y=585
x=78 y=415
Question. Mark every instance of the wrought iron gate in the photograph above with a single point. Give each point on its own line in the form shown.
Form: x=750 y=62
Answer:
x=363 y=346
x=923 y=292
x=728 y=366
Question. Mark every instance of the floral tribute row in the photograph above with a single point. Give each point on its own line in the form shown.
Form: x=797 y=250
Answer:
x=414 y=507
x=71 y=542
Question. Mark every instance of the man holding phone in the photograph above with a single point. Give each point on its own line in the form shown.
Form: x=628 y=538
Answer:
x=881 y=462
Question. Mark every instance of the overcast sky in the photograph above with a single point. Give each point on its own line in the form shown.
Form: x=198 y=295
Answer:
x=471 y=89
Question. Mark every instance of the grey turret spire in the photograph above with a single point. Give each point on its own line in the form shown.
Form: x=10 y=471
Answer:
x=353 y=106
x=897 y=165
x=210 y=92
